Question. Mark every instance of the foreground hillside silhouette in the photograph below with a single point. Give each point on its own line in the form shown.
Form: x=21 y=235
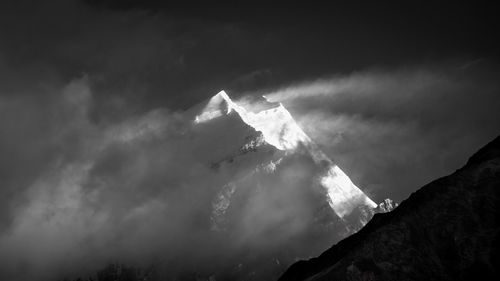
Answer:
x=447 y=230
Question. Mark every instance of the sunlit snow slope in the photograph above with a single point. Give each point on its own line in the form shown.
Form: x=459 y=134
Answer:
x=280 y=130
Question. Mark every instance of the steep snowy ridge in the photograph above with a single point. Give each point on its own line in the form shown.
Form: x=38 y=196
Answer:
x=280 y=130
x=276 y=124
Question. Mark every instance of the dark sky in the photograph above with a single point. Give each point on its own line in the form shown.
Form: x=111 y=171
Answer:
x=177 y=54
x=396 y=93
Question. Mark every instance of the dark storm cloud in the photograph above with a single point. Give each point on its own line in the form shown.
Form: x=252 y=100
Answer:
x=155 y=53
x=149 y=59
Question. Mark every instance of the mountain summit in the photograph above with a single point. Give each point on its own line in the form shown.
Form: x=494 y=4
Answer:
x=274 y=189
x=259 y=194
x=279 y=129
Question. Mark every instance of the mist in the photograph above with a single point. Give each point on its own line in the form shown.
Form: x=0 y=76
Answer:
x=138 y=191
x=78 y=194
x=395 y=129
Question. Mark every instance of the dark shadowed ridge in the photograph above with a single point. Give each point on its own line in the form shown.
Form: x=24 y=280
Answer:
x=447 y=230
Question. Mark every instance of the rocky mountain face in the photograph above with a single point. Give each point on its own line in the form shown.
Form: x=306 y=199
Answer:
x=278 y=190
x=271 y=196
x=274 y=127
x=447 y=230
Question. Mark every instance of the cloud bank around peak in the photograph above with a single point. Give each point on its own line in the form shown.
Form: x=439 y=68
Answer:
x=78 y=193
x=395 y=129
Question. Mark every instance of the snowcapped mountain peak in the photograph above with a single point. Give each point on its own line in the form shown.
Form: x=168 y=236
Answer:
x=279 y=129
x=276 y=123
x=217 y=106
